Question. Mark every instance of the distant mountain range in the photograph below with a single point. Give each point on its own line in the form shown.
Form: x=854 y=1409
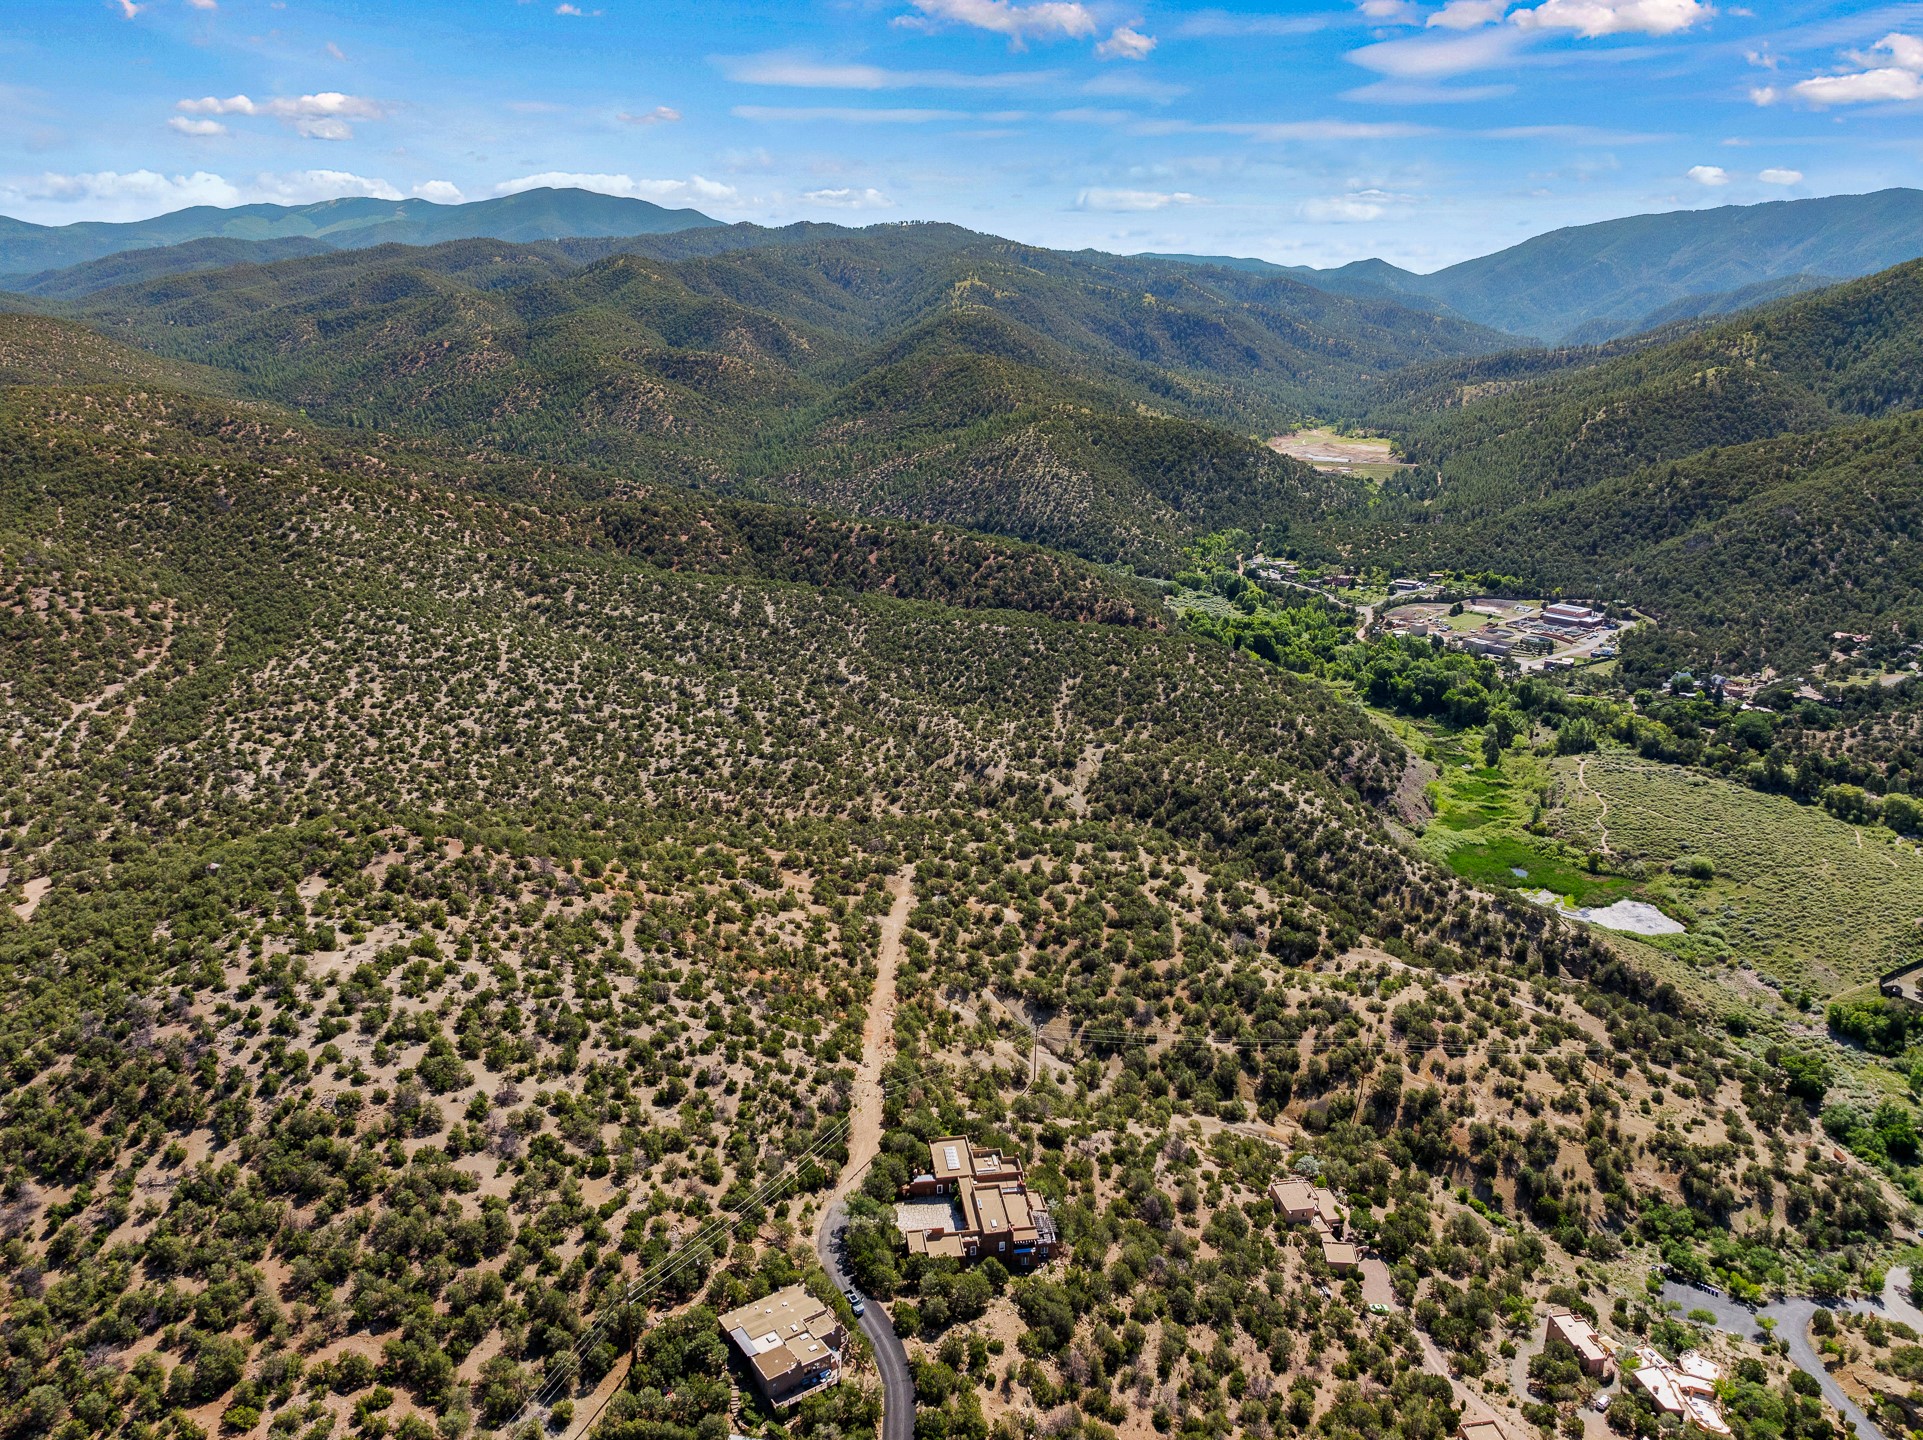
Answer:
x=27 y=250
x=1583 y=285
x=1590 y=283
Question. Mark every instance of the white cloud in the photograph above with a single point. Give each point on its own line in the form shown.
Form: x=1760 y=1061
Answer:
x=803 y=74
x=1895 y=83
x=335 y=52
x=303 y=187
x=138 y=194
x=692 y=191
x=1220 y=24
x=848 y=199
x=321 y=116
x=1614 y=17
x=1468 y=14
x=1089 y=115
x=1432 y=59
x=1780 y=177
x=1126 y=43
x=1278 y=130
x=1390 y=12
x=1357 y=205
x=1420 y=92
x=660 y=115
x=441 y=192
x=128 y=9
x=196 y=127
x=1711 y=175
x=1134 y=200
x=1134 y=85
x=1042 y=19
x=204 y=4
x=859 y=115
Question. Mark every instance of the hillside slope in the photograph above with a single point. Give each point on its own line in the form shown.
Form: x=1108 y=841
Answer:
x=919 y=371
x=443 y=903
x=1724 y=479
x=1519 y=427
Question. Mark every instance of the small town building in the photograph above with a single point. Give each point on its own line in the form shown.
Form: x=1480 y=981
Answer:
x=1479 y=1430
x=1406 y=586
x=1572 y=617
x=1579 y=1335
x=970 y=1204
x=791 y=1341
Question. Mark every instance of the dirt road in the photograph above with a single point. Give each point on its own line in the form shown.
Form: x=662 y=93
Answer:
x=864 y=1143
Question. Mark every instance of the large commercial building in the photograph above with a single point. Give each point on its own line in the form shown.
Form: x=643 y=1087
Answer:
x=970 y=1204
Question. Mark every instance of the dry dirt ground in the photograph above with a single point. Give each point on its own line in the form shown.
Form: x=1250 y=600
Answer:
x=1326 y=450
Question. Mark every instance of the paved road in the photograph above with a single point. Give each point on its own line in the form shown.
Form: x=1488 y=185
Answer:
x=897 y=1382
x=1792 y=1317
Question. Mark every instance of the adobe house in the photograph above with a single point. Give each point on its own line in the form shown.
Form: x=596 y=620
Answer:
x=970 y=1204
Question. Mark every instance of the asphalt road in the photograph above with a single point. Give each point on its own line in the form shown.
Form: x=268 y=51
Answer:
x=1792 y=1317
x=897 y=1382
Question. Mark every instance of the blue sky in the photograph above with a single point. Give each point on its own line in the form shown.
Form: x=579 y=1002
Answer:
x=1311 y=133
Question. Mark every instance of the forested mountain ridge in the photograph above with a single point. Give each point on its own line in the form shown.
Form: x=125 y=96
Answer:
x=1524 y=426
x=1725 y=480
x=1744 y=556
x=921 y=371
x=27 y=249
x=127 y=267
x=1614 y=277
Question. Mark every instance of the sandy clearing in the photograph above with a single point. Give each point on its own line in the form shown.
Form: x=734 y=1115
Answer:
x=35 y=890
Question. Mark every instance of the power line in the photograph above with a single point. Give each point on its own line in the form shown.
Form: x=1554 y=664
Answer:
x=685 y=1252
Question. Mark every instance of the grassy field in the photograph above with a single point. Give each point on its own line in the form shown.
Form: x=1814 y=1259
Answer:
x=1482 y=819
x=1796 y=894
x=1801 y=895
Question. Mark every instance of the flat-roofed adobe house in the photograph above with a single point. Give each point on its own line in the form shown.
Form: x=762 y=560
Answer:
x=970 y=1204
x=1300 y=1203
x=1579 y=1335
x=791 y=1341
x=1339 y=1255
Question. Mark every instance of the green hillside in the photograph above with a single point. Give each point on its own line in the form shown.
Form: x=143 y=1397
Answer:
x=1723 y=481
x=439 y=896
x=921 y=371
x=1521 y=427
